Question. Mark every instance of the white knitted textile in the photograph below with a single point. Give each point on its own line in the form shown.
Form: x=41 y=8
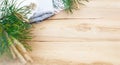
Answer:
x=43 y=7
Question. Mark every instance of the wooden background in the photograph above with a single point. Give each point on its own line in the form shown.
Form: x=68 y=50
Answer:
x=89 y=36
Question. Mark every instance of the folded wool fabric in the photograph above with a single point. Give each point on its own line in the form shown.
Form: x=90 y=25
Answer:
x=44 y=9
x=38 y=17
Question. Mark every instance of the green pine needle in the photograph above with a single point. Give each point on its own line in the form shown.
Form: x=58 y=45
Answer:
x=12 y=24
x=70 y=5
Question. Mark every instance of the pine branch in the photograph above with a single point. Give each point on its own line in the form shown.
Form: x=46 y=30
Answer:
x=71 y=5
x=14 y=30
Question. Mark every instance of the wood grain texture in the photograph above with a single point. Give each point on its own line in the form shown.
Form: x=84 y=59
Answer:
x=78 y=52
x=96 y=9
x=77 y=30
x=89 y=36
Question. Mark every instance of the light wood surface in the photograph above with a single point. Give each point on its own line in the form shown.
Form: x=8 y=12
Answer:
x=77 y=30
x=89 y=36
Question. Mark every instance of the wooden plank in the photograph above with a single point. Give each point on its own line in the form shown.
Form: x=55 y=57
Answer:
x=103 y=4
x=87 y=12
x=82 y=52
x=77 y=30
x=95 y=9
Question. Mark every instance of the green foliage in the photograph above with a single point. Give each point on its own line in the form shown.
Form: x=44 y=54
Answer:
x=13 y=24
x=4 y=41
x=70 y=5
